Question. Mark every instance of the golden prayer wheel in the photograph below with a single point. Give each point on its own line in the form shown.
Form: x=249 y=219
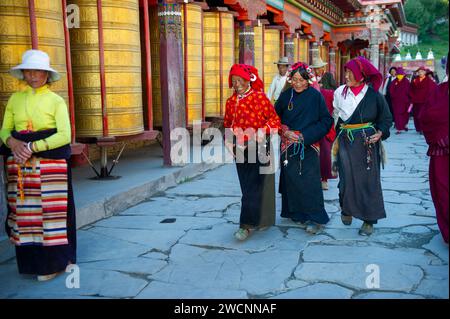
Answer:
x=271 y=55
x=193 y=59
x=259 y=57
x=296 y=50
x=323 y=51
x=15 y=39
x=122 y=60
x=236 y=43
x=156 y=79
x=219 y=49
x=303 y=51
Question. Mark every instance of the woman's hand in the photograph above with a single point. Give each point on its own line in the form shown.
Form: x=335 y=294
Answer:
x=19 y=149
x=230 y=147
x=375 y=137
x=292 y=136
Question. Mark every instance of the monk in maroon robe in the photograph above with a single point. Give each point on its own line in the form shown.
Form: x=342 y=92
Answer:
x=420 y=90
x=399 y=94
x=326 y=142
x=435 y=124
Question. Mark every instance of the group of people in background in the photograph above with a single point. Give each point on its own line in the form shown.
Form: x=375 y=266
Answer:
x=407 y=94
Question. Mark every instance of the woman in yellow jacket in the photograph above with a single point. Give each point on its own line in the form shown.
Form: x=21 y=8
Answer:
x=36 y=135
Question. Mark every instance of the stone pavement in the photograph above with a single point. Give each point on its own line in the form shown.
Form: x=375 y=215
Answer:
x=142 y=253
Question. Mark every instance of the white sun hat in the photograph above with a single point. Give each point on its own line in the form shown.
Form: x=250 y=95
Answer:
x=35 y=60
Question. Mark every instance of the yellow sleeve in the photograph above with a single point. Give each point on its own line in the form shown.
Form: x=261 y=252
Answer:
x=63 y=134
x=8 y=122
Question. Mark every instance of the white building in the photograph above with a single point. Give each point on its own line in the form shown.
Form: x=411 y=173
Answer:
x=408 y=35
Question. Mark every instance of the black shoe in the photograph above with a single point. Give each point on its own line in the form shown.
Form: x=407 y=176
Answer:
x=346 y=219
x=366 y=229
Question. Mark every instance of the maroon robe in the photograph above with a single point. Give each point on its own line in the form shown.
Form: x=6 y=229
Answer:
x=326 y=142
x=399 y=94
x=419 y=92
x=435 y=124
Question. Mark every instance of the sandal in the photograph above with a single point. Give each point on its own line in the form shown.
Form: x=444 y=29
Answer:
x=46 y=277
x=313 y=228
x=242 y=234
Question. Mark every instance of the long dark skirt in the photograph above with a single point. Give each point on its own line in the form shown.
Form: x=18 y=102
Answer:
x=302 y=195
x=417 y=108
x=258 y=195
x=45 y=260
x=325 y=159
x=360 y=193
x=439 y=191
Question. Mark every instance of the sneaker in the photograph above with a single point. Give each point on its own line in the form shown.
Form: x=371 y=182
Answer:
x=366 y=229
x=325 y=185
x=398 y=132
x=346 y=220
x=313 y=228
x=242 y=234
x=46 y=277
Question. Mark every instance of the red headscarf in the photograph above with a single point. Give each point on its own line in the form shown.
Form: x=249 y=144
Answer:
x=363 y=69
x=312 y=77
x=248 y=73
x=401 y=71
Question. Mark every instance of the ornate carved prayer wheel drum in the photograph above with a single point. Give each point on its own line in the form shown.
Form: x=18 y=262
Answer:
x=193 y=59
x=259 y=55
x=271 y=55
x=15 y=39
x=122 y=60
x=218 y=29
x=156 y=78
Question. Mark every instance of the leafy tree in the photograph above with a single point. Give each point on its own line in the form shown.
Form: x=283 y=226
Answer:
x=429 y=15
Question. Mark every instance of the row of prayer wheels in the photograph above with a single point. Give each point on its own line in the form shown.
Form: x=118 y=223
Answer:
x=210 y=47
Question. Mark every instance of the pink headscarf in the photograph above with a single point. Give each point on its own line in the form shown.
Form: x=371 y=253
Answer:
x=363 y=69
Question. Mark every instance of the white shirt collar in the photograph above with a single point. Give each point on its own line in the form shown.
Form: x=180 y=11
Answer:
x=345 y=106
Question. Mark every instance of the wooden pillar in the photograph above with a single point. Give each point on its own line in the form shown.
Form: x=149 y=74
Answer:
x=289 y=47
x=171 y=68
x=33 y=24
x=246 y=43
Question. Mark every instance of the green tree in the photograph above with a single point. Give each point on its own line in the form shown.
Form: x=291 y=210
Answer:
x=430 y=15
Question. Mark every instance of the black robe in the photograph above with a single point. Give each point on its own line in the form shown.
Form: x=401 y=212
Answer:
x=360 y=193
x=302 y=195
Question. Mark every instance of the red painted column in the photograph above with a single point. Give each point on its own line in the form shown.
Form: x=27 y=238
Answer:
x=171 y=68
x=186 y=67
x=69 y=72
x=33 y=27
x=246 y=43
x=101 y=53
x=148 y=65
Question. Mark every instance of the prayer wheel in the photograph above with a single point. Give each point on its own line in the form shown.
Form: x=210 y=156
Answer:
x=259 y=56
x=219 y=51
x=302 y=51
x=15 y=39
x=122 y=68
x=296 y=49
x=271 y=55
x=192 y=52
x=323 y=51
x=156 y=79
x=236 y=43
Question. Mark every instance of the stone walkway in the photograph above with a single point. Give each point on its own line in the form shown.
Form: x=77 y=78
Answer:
x=180 y=245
